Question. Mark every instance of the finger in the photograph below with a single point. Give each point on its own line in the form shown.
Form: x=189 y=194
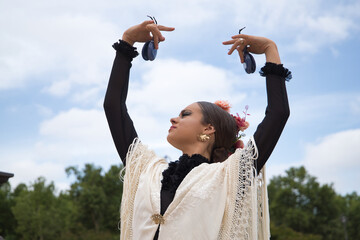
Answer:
x=163 y=28
x=239 y=36
x=149 y=37
x=155 y=31
x=241 y=54
x=156 y=42
x=233 y=47
x=238 y=44
x=229 y=42
x=147 y=22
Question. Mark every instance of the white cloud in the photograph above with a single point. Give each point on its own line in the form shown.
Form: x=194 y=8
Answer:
x=73 y=137
x=73 y=40
x=170 y=83
x=89 y=95
x=42 y=42
x=23 y=163
x=81 y=126
x=306 y=25
x=59 y=89
x=336 y=159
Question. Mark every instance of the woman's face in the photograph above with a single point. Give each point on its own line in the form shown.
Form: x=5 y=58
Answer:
x=186 y=128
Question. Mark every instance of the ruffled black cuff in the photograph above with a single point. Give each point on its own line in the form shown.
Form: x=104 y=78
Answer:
x=276 y=69
x=125 y=48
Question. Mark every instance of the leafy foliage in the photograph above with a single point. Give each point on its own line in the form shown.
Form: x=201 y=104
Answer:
x=300 y=208
x=36 y=213
x=89 y=210
x=300 y=203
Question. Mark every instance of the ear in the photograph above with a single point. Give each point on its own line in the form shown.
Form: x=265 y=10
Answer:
x=209 y=129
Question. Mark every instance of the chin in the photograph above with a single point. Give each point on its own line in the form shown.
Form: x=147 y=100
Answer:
x=172 y=142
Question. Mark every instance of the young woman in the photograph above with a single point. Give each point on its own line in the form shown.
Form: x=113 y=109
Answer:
x=206 y=194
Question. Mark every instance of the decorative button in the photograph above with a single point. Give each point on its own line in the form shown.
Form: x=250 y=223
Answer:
x=158 y=219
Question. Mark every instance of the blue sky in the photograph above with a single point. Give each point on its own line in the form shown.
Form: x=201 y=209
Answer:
x=56 y=57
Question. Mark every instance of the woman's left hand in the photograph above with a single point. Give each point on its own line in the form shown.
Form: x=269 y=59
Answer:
x=257 y=45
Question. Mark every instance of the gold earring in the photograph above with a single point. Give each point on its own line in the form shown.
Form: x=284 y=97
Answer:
x=203 y=137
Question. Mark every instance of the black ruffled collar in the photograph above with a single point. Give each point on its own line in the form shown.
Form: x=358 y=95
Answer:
x=176 y=172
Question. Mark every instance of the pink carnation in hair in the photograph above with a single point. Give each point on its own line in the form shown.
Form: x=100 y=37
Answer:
x=224 y=105
x=242 y=125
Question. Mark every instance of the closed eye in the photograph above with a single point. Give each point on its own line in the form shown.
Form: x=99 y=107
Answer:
x=185 y=113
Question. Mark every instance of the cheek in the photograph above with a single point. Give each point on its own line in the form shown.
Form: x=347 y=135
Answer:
x=186 y=132
x=191 y=127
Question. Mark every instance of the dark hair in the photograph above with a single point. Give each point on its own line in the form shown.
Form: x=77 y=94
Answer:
x=225 y=129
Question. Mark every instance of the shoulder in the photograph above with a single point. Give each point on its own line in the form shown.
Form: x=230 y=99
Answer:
x=140 y=157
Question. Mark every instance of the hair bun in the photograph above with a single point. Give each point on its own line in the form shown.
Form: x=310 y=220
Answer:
x=219 y=154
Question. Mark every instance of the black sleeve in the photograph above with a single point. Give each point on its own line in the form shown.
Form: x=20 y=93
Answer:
x=120 y=123
x=277 y=111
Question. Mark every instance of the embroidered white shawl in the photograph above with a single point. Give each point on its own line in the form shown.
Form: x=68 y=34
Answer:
x=214 y=201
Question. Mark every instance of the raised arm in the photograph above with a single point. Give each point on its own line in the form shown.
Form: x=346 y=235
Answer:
x=120 y=123
x=277 y=111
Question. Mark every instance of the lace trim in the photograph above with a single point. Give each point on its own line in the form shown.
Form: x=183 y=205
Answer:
x=126 y=49
x=277 y=69
x=246 y=217
x=137 y=158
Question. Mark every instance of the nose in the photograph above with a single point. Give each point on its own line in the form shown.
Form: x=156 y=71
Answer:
x=173 y=120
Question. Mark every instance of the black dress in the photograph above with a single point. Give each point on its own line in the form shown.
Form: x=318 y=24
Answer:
x=123 y=131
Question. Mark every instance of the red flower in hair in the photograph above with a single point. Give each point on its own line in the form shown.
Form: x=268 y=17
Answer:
x=224 y=105
x=241 y=123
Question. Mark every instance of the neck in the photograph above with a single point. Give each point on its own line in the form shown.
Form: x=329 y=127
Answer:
x=197 y=149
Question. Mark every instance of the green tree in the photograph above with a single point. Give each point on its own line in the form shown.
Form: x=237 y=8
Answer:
x=7 y=219
x=89 y=196
x=113 y=188
x=351 y=216
x=96 y=198
x=36 y=212
x=285 y=233
x=297 y=201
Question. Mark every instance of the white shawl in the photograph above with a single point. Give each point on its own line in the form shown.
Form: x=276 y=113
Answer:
x=214 y=201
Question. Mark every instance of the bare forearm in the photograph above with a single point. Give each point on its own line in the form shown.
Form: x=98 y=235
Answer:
x=272 y=53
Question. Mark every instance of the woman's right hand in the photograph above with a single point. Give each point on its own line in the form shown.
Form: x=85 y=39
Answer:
x=144 y=32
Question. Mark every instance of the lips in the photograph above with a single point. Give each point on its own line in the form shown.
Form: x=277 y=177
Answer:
x=172 y=127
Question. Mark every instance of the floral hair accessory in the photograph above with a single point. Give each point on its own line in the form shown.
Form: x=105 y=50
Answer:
x=224 y=105
x=241 y=123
